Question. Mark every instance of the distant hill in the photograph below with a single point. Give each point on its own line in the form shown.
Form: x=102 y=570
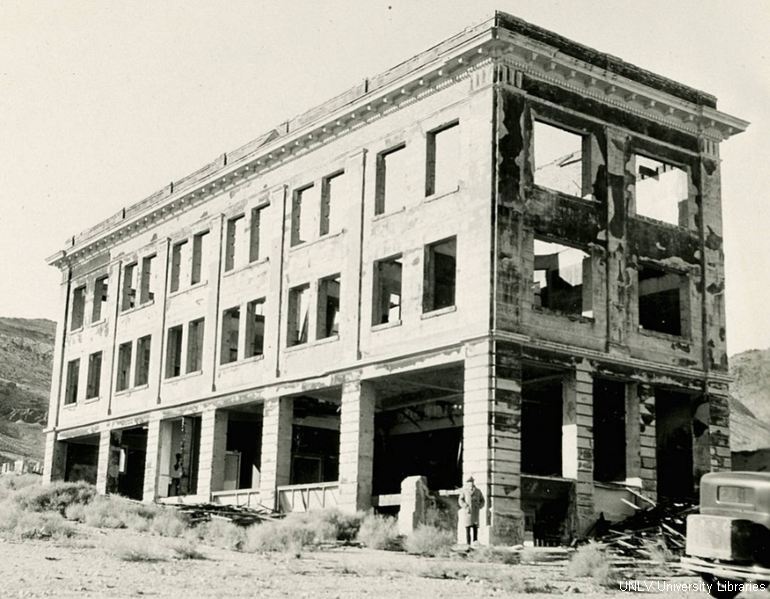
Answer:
x=750 y=406
x=26 y=357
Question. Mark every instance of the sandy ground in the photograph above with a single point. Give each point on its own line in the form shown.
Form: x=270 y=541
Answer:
x=86 y=567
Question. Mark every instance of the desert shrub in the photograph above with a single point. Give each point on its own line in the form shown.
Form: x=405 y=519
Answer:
x=495 y=555
x=136 y=550
x=658 y=550
x=16 y=522
x=591 y=560
x=13 y=482
x=115 y=512
x=220 y=533
x=54 y=497
x=378 y=532
x=168 y=522
x=345 y=525
x=528 y=555
x=186 y=549
x=429 y=540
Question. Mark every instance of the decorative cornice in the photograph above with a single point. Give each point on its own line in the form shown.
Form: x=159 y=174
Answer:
x=453 y=60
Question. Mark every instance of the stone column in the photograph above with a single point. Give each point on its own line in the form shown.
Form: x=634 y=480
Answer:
x=356 y=445
x=278 y=415
x=55 y=459
x=648 y=443
x=150 y=492
x=578 y=448
x=633 y=431
x=491 y=437
x=106 y=468
x=211 y=459
x=719 y=426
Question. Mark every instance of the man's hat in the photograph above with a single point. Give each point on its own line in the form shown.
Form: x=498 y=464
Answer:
x=470 y=479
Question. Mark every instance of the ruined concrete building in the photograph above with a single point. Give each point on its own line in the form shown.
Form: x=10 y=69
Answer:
x=500 y=258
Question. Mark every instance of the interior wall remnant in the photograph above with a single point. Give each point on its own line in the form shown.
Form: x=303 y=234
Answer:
x=81 y=460
x=541 y=428
x=609 y=430
x=674 y=436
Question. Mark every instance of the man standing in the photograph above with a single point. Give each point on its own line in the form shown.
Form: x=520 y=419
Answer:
x=471 y=501
x=176 y=476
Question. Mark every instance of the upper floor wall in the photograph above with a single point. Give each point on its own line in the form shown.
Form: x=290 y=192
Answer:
x=370 y=247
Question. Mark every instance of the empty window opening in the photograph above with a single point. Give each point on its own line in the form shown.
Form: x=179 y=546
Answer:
x=200 y=255
x=299 y=314
x=195 y=331
x=255 y=328
x=440 y=275
x=142 y=368
x=234 y=241
x=443 y=160
x=99 y=308
x=124 y=366
x=147 y=291
x=328 y=307
x=301 y=216
x=391 y=188
x=243 y=456
x=331 y=198
x=128 y=297
x=174 y=352
x=662 y=190
x=127 y=458
x=179 y=454
x=674 y=434
x=94 y=375
x=178 y=251
x=231 y=321
x=315 y=445
x=541 y=422
x=562 y=279
x=73 y=375
x=609 y=430
x=660 y=300
x=81 y=458
x=558 y=159
x=256 y=235
x=78 y=307
x=387 y=291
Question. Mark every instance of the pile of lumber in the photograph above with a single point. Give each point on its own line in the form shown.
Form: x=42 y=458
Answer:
x=240 y=515
x=654 y=531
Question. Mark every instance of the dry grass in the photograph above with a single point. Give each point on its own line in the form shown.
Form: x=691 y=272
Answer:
x=378 y=532
x=220 y=533
x=18 y=523
x=592 y=561
x=56 y=497
x=136 y=550
x=186 y=549
x=117 y=512
x=10 y=483
x=429 y=540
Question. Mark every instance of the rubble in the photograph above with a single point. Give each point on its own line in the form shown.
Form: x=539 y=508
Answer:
x=240 y=515
x=653 y=532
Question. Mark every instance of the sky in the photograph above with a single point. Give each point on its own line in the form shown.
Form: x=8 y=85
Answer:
x=103 y=103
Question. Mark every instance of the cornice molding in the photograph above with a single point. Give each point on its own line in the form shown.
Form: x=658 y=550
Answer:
x=473 y=51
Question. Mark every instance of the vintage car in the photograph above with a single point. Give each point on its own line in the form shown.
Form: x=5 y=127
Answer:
x=728 y=542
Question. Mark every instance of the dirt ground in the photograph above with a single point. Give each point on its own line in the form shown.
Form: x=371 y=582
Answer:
x=86 y=566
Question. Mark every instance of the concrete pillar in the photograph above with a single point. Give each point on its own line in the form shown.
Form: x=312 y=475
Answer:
x=578 y=446
x=107 y=463
x=211 y=459
x=55 y=458
x=150 y=492
x=648 y=443
x=719 y=426
x=491 y=438
x=633 y=429
x=356 y=445
x=277 y=420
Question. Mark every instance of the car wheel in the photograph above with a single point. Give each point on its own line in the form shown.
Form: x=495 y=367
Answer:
x=722 y=588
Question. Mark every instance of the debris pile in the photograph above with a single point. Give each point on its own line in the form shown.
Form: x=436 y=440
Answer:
x=240 y=515
x=656 y=531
